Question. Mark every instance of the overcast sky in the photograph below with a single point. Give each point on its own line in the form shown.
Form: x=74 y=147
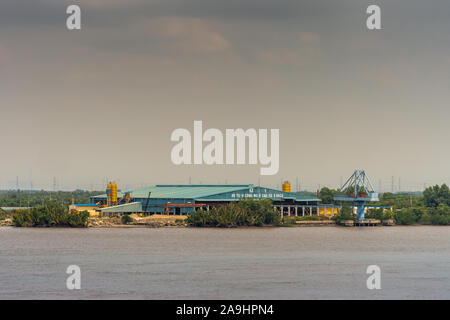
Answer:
x=98 y=103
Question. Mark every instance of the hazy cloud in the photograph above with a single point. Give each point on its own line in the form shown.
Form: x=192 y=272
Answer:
x=190 y=35
x=102 y=101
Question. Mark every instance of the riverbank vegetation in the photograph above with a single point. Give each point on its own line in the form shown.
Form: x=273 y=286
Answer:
x=345 y=214
x=50 y=215
x=241 y=213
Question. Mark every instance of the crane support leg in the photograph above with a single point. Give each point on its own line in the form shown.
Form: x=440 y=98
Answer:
x=360 y=211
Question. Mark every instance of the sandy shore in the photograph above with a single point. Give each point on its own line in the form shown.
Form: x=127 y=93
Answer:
x=154 y=221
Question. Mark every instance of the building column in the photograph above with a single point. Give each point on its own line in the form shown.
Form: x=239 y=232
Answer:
x=296 y=211
x=303 y=210
x=289 y=211
x=310 y=211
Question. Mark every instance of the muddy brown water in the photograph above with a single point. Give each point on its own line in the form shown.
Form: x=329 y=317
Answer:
x=252 y=263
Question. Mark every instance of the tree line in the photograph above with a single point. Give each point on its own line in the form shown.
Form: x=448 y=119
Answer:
x=27 y=198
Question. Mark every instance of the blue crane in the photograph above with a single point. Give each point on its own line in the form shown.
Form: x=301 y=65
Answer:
x=358 y=190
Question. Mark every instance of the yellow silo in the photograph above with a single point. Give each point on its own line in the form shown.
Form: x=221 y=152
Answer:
x=286 y=186
x=113 y=194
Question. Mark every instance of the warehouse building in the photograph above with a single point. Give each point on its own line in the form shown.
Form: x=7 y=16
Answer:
x=182 y=199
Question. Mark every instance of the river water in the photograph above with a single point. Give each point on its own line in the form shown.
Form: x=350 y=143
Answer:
x=188 y=263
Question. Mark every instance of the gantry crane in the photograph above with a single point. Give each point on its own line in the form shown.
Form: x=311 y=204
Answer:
x=358 y=190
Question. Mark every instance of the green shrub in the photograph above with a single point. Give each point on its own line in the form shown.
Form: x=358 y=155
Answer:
x=242 y=213
x=440 y=219
x=126 y=219
x=345 y=214
x=374 y=214
x=425 y=219
x=379 y=214
x=52 y=215
x=387 y=215
x=406 y=217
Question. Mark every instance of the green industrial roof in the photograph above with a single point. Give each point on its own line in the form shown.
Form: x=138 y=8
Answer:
x=173 y=191
x=200 y=192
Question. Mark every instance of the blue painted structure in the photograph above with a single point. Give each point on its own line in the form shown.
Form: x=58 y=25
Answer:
x=359 y=190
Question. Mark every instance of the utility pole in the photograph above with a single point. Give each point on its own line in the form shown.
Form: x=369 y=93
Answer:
x=399 y=184
x=31 y=179
x=18 y=191
x=392 y=184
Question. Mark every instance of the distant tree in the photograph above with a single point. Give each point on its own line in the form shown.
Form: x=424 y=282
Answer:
x=436 y=195
x=27 y=198
x=326 y=195
x=387 y=197
x=401 y=200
